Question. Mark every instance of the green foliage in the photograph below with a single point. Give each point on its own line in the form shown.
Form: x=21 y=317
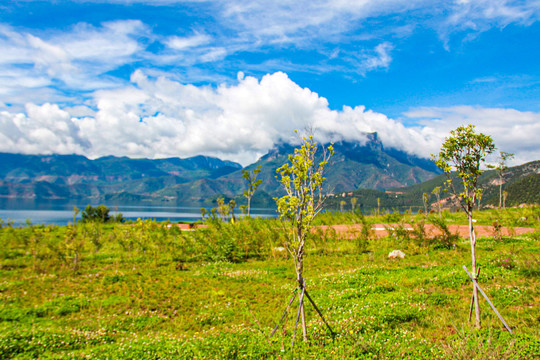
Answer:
x=524 y=191
x=363 y=239
x=501 y=168
x=151 y=291
x=465 y=151
x=445 y=239
x=252 y=185
x=302 y=180
x=99 y=214
x=437 y=192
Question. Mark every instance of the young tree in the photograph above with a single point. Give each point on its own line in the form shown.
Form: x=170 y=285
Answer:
x=203 y=213
x=232 y=205
x=353 y=203
x=501 y=167
x=223 y=209
x=302 y=178
x=437 y=192
x=425 y=198
x=465 y=151
x=76 y=211
x=252 y=184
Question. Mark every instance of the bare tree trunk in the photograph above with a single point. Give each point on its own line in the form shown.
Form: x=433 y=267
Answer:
x=301 y=284
x=500 y=193
x=474 y=271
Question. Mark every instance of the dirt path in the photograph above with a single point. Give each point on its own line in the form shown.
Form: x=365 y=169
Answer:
x=380 y=230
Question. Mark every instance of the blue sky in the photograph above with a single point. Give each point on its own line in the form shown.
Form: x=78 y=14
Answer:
x=231 y=78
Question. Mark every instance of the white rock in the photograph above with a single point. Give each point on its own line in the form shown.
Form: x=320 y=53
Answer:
x=396 y=254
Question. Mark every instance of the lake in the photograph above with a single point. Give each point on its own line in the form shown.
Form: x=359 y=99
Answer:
x=62 y=213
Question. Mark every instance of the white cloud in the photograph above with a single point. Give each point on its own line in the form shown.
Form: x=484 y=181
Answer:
x=480 y=14
x=289 y=20
x=379 y=58
x=475 y=16
x=83 y=57
x=43 y=129
x=331 y=21
x=159 y=117
x=74 y=60
x=213 y=54
x=184 y=43
x=512 y=130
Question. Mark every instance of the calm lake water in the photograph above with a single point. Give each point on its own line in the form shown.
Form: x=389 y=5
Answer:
x=62 y=214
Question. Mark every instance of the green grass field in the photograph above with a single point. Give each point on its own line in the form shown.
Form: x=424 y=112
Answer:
x=145 y=291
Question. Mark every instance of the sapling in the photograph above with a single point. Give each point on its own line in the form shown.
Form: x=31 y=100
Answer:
x=501 y=167
x=464 y=151
x=353 y=203
x=232 y=205
x=437 y=192
x=252 y=185
x=425 y=198
x=302 y=179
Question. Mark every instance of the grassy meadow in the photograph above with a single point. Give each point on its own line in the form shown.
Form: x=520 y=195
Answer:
x=147 y=290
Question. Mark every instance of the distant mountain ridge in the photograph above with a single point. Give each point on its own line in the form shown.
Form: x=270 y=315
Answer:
x=522 y=183
x=354 y=166
x=77 y=169
x=198 y=179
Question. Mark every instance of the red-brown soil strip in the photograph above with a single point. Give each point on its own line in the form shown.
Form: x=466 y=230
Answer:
x=380 y=230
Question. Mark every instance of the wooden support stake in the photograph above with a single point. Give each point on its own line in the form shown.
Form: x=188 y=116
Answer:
x=471 y=308
x=472 y=297
x=300 y=309
x=487 y=299
x=320 y=314
x=285 y=312
x=301 y=300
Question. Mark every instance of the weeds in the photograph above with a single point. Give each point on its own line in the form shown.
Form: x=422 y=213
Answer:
x=446 y=239
x=148 y=290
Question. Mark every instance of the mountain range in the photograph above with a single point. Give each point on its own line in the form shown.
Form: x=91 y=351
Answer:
x=522 y=184
x=199 y=179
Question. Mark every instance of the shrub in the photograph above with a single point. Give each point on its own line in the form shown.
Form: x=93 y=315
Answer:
x=446 y=239
x=96 y=214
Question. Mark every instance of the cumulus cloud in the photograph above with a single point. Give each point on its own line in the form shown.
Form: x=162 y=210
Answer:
x=512 y=130
x=160 y=117
x=43 y=129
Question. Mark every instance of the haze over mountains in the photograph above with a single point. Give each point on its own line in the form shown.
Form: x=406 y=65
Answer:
x=196 y=179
